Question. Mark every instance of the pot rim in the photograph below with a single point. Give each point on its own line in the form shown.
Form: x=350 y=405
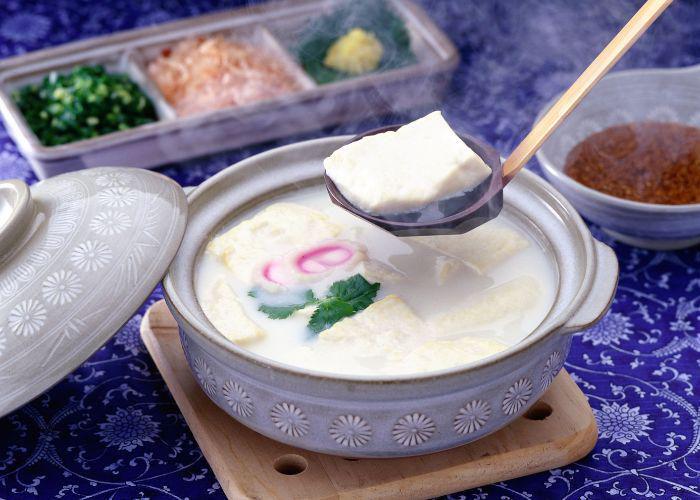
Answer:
x=215 y=341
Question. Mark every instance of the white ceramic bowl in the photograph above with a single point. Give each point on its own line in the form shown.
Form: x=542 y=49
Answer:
x=667 y=95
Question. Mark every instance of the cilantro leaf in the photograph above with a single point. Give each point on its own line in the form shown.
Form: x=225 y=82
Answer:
x=356 y=290
x=285 y=311
x=344 y=298
x=328 y=313
x=365 y=300
x=280 y=312
x=352 y=287
x=309 y=297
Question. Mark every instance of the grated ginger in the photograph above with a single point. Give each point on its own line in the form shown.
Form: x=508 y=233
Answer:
x=356 y=52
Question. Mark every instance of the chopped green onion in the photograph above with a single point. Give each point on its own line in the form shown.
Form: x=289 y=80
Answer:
x=87 y=102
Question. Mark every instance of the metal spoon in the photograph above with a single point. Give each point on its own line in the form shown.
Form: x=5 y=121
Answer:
x=469 y=210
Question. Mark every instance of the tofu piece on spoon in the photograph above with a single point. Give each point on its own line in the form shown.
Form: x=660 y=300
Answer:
x=407 y=169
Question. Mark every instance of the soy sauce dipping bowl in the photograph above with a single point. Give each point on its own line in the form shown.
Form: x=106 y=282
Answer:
x=661 y=95
x=457 y=214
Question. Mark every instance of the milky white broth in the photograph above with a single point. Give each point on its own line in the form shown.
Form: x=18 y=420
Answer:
x=290 y=341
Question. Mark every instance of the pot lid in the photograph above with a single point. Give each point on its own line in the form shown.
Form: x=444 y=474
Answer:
x=79 y=253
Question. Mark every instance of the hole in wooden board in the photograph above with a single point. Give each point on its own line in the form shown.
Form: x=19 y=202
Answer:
x=290 y=465
x=351 y=459
x=539 y=411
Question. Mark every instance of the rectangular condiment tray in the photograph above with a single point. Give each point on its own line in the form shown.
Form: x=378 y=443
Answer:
x=173 y=138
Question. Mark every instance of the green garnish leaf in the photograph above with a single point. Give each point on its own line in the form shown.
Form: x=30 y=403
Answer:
x=283 y=312
x=310 y=297
x=328 y=313
x=280 y=312
x=344 y=298
x=356 y=290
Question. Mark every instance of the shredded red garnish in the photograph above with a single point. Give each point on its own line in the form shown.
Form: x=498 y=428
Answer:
x=204 y=74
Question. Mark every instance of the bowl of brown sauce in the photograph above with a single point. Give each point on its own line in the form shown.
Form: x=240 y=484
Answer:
x=628 y=158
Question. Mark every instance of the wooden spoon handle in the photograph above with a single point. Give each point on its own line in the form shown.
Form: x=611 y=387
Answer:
x=580 y=88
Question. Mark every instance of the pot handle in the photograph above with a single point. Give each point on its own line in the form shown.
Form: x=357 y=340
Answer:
x=602 y=291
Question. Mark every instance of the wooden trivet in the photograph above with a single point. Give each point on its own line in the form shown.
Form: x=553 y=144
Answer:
x=558 y=429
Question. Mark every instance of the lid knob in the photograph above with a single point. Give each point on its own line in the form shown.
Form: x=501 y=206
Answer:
x=16 y=215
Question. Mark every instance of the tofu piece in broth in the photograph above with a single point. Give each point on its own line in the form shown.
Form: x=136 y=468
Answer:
x=386 y=327
x=228 y=316
x=441 y=354
x=277 y=229
x=482 y=248
x=503 y=302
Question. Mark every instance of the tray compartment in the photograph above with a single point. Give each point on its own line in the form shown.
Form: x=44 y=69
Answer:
x=254 y=35
x=140 y=76
x=292 y=29
x=119 y=62
x=289 y=59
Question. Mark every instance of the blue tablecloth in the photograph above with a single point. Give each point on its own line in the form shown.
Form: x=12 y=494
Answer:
x=112 y=430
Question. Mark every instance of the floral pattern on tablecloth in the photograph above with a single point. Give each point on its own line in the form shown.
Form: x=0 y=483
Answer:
x=112 y=430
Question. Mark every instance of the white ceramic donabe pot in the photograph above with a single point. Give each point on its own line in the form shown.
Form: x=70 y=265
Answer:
x=383 y=416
